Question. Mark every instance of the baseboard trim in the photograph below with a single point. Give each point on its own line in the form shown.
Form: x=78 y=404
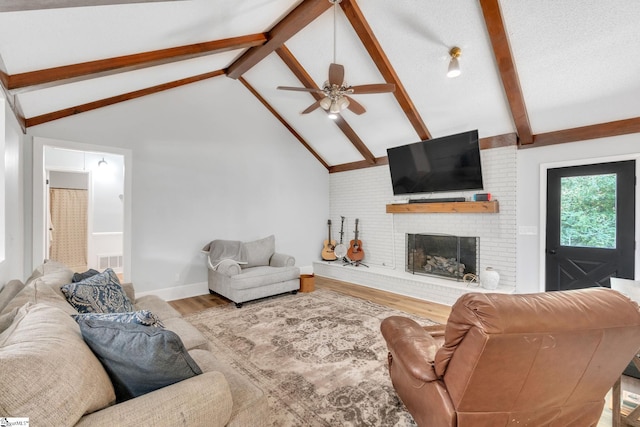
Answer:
x=178 y=292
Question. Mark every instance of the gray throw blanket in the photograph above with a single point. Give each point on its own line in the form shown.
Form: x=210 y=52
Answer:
x=219 y=250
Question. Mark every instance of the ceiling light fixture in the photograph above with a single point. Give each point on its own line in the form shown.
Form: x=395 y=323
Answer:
x=102 y=162
x=454 y=65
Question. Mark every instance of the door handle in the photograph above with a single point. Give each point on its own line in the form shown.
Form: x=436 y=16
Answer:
x=551 y=251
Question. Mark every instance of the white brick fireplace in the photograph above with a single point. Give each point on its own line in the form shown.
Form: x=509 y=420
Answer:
x=364 y=194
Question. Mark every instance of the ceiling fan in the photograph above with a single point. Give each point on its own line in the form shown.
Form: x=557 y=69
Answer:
x=336 y=90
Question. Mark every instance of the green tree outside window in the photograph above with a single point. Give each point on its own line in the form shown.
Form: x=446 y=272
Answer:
x=588 y=211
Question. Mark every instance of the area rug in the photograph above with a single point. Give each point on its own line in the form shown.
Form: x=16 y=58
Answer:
x=319 y=357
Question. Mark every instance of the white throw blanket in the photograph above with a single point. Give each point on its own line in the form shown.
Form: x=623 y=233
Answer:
x=220 y=250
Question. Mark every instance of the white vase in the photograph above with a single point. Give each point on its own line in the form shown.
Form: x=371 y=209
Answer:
x=490 y=278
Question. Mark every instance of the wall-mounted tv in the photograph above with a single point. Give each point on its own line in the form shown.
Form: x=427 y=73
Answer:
x=450 y=163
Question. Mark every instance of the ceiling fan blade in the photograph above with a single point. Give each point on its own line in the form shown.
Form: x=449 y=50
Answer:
x=336 y=74
x=312 y=107
x=300 y=89
x=373 y=88
x=355 y=106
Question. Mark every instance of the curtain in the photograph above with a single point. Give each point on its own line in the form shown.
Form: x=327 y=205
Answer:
x=69 y=223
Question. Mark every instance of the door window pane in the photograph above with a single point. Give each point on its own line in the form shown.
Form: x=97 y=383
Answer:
x=588 y=211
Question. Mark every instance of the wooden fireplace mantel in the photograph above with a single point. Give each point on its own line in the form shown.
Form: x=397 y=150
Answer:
x=445 y=207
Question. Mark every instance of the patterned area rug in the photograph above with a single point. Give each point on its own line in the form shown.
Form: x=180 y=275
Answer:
x=319 y=357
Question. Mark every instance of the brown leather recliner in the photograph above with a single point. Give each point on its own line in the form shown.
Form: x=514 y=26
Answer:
x=535 y=360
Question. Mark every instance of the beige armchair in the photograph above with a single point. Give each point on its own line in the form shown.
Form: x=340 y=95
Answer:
x=544 y=359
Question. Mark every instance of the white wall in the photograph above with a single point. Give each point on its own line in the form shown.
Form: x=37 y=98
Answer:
x=364 y=194
x=13 y=265
x=531 y=200
x=206 y=171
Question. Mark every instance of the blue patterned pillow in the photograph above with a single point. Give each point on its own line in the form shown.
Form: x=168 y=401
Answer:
x=141 y=317
x=138 y=359
x=101 y=293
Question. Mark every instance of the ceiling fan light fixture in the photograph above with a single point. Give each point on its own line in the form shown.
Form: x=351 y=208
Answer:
x=343 y=103
x=335 y=107
x=454 y=65
x=332 y=116
x=325 y=103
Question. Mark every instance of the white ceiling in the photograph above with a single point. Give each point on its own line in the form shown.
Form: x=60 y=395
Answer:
x=578 y=62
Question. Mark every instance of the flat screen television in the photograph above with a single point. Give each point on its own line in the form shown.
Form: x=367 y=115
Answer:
x=450 y=163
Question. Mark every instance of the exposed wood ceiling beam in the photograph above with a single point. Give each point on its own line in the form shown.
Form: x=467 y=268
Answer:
x=507 y=67
x=102 y=67
x=602 y=130
x=295 y=21
x=498 y=141
x=368 y=39
x=283 y=121
x=20 y=5
x=362 y=164
x=306 y=80
x=66 y=112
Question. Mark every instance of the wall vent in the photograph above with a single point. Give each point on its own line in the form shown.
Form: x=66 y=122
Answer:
x=113 y=261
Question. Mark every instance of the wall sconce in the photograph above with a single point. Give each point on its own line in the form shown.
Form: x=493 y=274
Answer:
x=454 y=65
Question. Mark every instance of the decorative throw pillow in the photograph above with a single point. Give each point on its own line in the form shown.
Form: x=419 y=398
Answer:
x=137 y=358
x=141 y=317
x=78 y=277
x=101 y=293
x=259 y=252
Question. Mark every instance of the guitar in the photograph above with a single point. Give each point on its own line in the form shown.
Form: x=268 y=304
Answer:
x=341 y=249
x=355 y=252
x=329 y=246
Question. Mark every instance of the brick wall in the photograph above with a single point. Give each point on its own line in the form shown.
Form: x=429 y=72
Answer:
x=364 y=194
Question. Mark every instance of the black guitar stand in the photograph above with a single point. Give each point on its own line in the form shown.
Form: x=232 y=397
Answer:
x=347 y=261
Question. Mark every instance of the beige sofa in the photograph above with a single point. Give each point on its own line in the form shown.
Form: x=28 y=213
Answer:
x=51 y=376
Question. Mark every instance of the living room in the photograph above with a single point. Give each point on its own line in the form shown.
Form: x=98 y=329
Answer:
x=190 y=163
x=207 y=161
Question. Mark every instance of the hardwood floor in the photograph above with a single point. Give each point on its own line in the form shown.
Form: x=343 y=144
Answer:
x=436 y=312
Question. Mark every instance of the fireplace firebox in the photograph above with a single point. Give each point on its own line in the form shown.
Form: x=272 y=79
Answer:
x=442 y=255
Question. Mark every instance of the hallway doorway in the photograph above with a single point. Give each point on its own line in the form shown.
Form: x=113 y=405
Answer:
x=106 y=172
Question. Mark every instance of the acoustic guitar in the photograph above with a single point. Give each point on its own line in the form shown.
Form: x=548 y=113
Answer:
x=355 y=252
x=329 y=246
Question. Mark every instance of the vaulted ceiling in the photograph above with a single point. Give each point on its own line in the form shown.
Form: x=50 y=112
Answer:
x=533 y=73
